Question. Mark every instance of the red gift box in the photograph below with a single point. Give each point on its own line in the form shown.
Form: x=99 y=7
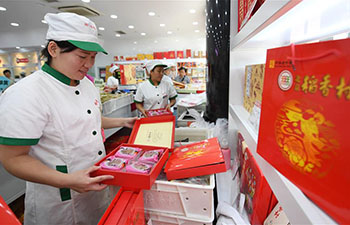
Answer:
x=260 y=200
x=188 y=53
x=304 y=121
x=171 y=54
x=130 y=179
x=158 y=112
x=180 y=54
x=154 y=134
x=197 y=159
x=126 y=208
x=6 y=214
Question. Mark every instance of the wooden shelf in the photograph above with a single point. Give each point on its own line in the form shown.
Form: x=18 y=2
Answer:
x=299 y=209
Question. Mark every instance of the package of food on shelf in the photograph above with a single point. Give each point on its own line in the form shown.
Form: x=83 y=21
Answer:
x=128 y=152
x=151 y=156
x=114 y=163
x=138 y=167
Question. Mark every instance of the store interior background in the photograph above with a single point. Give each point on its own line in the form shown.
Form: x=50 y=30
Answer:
x=185 y=19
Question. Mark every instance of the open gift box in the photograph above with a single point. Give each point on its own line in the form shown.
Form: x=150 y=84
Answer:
x=158 y=112
x=133 y=179
x=6 y=214
x=126 y=208
x=154 y=131
x=197 y=159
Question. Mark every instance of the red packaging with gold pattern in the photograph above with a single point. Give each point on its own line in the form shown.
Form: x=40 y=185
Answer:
x=304 y=125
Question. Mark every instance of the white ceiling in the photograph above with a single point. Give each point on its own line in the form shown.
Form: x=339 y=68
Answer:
x=173 y=13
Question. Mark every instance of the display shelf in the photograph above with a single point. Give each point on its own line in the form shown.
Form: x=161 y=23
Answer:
x=275 y=24
x=267 y=13
x=299 y=209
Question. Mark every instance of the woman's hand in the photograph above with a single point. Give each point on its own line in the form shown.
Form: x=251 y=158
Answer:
x=168 y=107
x=129 y=122
x=81 y=181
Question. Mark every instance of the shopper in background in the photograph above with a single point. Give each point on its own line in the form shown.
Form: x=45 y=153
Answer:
x=4 y=82
x=155 y=93
x=55 y=145
x=7 y=74
x=166 y=74
x=112 y=81
x=182 y=77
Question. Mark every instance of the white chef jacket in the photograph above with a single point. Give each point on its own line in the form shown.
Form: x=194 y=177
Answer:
x=62 y=125
x=112 y=81
x=167 y=79
x=155 y=97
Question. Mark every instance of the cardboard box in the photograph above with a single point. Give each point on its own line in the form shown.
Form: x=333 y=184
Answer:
x=304 y=124
x=6 y=214
x=253 y=85
x=127 y=74
x=259 y=198
x=201 y=158
x=129 y=179
x=158 y=112
x=126 y=208
x=154 y=131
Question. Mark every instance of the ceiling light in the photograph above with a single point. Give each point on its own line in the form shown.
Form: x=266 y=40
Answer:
x=225 y=12
x=131 y=27
x=218 y=15
x=18 y=47
x=169 y=32
x=44 y=21
x=151 y=13
x=143 y=34
x=155 y=41
x=135 y=42
x=101 y=28
x=2 y=8
x=114 y=16
x=196 y=31
x=195 y=23
x=192 y=11
x=117 y=35
x=87 y=1
x=14 y=24
x=162 y=25
x=177 y=40
x=43 y=46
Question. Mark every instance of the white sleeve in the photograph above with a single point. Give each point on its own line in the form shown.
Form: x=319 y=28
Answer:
x=139 y=97
x=172 y=91
x=23 y=116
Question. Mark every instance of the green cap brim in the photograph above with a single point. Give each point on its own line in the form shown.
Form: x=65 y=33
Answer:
x=88 y=46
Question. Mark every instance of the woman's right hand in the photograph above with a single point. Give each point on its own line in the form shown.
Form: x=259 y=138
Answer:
x=81 y=181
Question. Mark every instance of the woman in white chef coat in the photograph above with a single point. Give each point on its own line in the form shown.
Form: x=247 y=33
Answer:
x=50 y=133
x=155 y=93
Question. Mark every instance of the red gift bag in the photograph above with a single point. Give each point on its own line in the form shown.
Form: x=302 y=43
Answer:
x=304 y=121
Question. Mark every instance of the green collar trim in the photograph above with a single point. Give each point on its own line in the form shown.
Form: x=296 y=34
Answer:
x=150 y=80
x=18 y=141
x=59 y=76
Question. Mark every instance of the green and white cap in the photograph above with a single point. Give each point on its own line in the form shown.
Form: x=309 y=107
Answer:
x=77 y=30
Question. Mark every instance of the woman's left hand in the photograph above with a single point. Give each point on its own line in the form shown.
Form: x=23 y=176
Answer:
x=168 y=107
x=129 y=122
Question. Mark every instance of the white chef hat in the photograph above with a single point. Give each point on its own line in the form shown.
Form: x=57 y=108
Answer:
x=115 y=67
x=152 y=64
x=77 y=30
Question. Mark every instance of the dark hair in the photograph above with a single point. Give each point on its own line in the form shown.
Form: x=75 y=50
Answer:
x=6 y=71
x=183 y=68
x=64 y=45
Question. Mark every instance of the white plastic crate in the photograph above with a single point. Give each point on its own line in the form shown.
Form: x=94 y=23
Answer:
x=155 y=218
x=192 y=134
x=191 y=201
